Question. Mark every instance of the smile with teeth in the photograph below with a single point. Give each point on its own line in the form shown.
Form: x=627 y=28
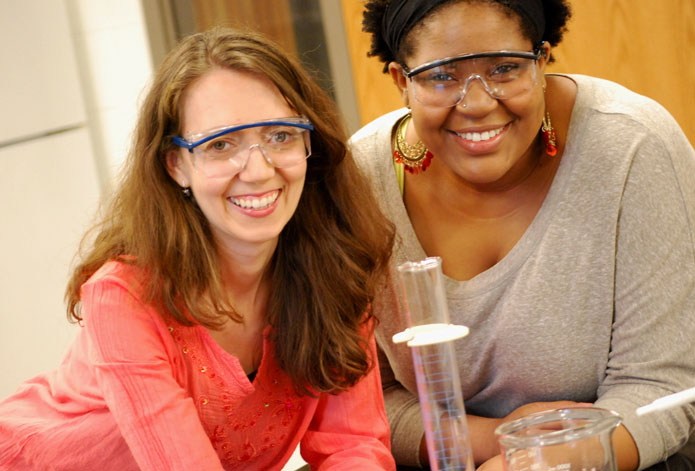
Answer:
x=480 y=136
x=249 y=202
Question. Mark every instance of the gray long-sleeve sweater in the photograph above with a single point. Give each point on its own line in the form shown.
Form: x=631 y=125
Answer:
x=596 y=302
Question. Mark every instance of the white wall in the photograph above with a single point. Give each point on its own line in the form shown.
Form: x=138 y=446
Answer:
x=72 y=71
x=112 y=49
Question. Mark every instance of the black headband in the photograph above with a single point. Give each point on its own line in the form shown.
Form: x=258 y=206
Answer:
x=532 y=12
x=402 y=15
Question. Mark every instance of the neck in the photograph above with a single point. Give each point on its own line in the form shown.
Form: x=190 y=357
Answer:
x=519 y=176
x=496 y=200
x=245 y=274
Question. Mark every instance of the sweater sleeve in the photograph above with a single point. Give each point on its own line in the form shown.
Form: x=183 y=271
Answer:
x=349 y=430
x=653 y=344
x=404 y=415
x=127 y=351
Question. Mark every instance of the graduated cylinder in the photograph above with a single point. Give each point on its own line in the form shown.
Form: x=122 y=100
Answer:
x=430 y=337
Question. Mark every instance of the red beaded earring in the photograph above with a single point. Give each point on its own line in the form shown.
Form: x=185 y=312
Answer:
x=548 y=133
x=549 y=137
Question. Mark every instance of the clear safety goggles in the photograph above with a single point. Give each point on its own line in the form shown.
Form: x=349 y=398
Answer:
x=445 y=82
x=219 y=152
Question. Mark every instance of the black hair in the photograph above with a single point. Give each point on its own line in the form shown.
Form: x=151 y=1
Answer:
x=557 y=13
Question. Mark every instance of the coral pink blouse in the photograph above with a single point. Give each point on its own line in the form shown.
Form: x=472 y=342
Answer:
x=136 y=392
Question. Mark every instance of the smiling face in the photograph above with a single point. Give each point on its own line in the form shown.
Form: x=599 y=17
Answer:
x=252 y=205
x=485 y=141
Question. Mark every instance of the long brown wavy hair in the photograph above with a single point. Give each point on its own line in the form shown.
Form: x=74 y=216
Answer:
x=329 y=257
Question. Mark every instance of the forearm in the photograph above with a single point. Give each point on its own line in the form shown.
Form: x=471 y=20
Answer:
x=485 y=446
x=405 y=420
x=350 y=430
x=626 y=454
x=481 y=431
x=483 y=441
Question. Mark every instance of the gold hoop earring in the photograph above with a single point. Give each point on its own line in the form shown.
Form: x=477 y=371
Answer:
x=415 y=158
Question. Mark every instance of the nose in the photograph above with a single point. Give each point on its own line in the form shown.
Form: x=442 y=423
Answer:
x=473 y=96
x=257 y=168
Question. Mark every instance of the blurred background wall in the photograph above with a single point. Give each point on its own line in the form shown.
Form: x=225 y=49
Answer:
x=71 y=74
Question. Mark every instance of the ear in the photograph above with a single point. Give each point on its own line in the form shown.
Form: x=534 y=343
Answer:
x=545 y=55
x=175 y=167
x=401 y=81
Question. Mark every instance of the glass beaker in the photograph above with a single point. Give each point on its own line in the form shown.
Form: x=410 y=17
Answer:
x=430 y=338
x=574 y=439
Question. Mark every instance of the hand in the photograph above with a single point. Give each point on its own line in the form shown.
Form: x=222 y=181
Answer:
x=482 y=429
x=533 y=407
x=493 y=464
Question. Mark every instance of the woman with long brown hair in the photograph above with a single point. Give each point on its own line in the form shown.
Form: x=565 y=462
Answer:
x=224 y=296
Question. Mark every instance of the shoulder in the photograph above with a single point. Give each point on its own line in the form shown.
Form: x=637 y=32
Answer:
x=115 y=305
x=116 y=278
x=618 y=136
x=623 y=108
x=374 y=138
x=610 y=120
x=380 y=125
x=121 y=272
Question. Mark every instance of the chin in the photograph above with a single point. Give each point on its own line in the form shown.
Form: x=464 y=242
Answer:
x=484 y=174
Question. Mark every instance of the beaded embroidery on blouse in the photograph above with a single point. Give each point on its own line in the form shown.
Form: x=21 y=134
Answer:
x=242 y=426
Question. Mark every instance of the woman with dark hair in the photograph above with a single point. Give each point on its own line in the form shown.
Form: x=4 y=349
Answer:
x=563 y=209
x=224 y=298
